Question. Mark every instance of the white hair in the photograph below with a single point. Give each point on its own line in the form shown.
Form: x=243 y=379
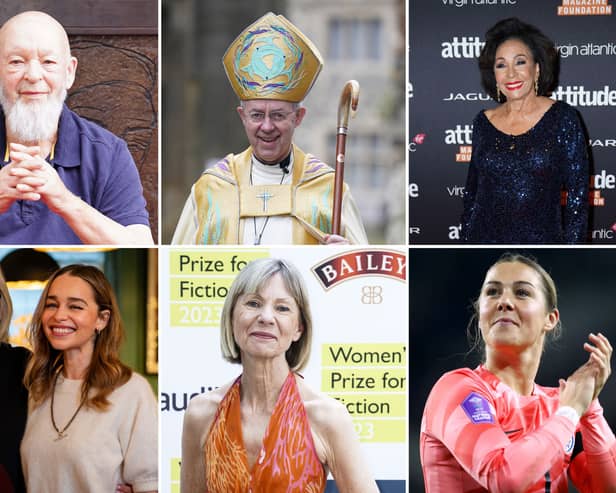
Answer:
x=33 y=121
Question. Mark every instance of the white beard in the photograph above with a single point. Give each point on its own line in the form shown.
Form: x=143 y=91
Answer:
x=34 y=121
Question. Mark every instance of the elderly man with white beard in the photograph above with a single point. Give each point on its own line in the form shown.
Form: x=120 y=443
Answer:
x=64 y=180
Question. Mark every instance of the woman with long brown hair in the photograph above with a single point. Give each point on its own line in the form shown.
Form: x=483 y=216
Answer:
x=92 y=422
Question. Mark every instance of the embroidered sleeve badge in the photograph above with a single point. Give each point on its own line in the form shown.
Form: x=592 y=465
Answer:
x=478 y=409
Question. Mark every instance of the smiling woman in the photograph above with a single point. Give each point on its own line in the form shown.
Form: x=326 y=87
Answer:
x=493 y=428
x=92 y=422
x=517 y=280
x=527 y=151
x=267 y=430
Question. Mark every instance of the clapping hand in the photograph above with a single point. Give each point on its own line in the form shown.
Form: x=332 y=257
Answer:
x=600 y=356
x=585 y=384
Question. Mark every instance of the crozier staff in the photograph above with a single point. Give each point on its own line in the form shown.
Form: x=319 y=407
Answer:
x=527 y=151
x=92 y=422
x=349 y=100
x=267 y=430
x=493 y=429
x=273 y=192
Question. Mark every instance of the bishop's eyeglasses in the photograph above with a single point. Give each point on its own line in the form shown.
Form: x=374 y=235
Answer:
x=274 y=116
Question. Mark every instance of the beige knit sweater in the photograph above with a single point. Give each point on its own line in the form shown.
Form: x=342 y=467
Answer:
x=101 y=449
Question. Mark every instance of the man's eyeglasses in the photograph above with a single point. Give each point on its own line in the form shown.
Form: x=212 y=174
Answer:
x=274 y=116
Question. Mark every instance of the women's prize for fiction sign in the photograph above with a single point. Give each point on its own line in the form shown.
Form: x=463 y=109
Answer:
x=199 y=282
x=368 y=378
x=359 y=302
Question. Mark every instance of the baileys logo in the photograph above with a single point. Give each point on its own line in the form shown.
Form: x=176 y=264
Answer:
x=345 y=266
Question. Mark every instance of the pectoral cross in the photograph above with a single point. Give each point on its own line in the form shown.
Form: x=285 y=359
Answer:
x=265 y=196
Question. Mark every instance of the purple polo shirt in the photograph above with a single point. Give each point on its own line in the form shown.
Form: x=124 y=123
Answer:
x=96 y=166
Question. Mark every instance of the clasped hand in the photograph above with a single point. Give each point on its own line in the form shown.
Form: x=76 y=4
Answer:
x=29 y=177
x=585 y=384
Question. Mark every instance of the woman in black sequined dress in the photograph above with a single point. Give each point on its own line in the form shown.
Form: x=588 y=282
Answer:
x=528 y=177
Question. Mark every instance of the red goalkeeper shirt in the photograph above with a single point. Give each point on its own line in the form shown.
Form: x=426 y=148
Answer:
x=478 y=435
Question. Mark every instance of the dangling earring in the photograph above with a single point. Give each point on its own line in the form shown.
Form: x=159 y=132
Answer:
x=536 y=85
x=498 y=94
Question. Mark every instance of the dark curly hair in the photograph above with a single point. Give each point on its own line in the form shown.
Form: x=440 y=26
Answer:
x=543 y=50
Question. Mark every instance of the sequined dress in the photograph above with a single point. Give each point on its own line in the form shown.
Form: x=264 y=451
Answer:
x=514 y=183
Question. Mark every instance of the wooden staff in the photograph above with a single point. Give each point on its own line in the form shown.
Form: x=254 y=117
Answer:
x=348 y=104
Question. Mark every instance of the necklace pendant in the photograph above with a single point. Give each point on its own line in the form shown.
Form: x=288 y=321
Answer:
x=62 y=432
x=512 y=147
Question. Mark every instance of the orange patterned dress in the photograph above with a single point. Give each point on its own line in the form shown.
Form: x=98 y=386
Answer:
x=287 y=463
